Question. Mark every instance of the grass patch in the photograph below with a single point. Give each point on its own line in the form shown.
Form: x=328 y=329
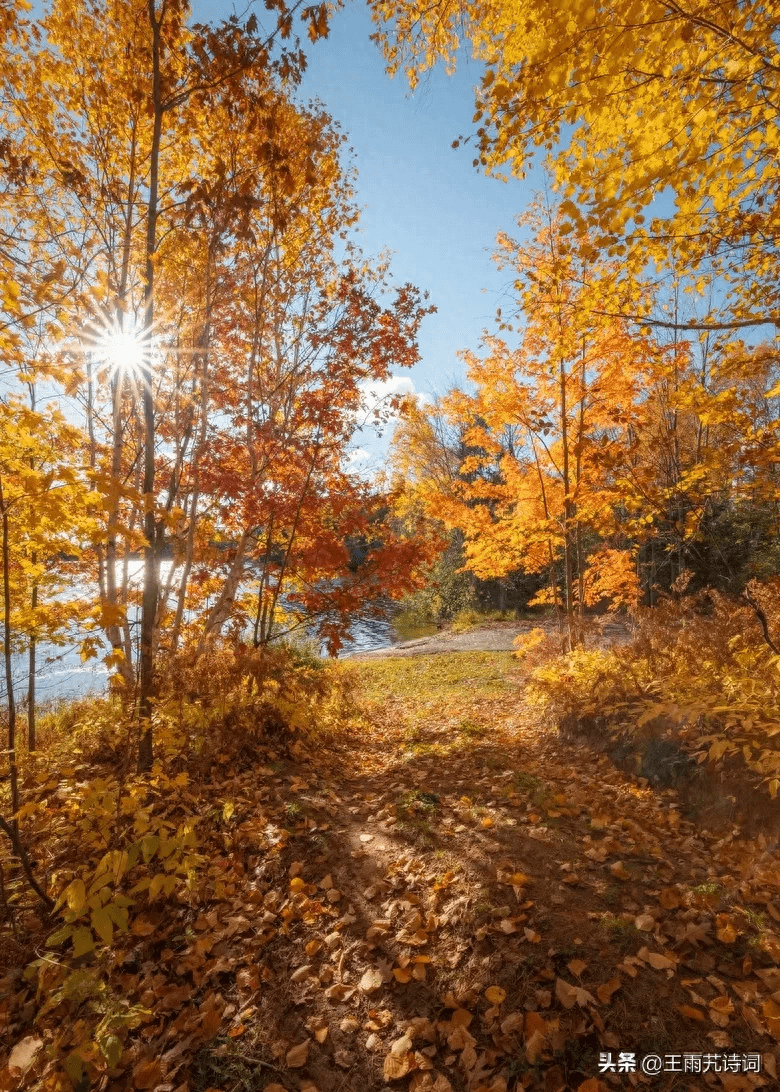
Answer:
x=471 y=618
x=525 y=782
x=621 y=932
x=426 y=678
x=470 y=729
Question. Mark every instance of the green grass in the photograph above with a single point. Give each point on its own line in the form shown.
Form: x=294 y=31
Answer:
x=471 y=730
x=426 y=678
x=621 y=932
x=706 y=889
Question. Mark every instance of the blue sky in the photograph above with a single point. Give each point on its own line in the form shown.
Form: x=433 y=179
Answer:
x=421 y=198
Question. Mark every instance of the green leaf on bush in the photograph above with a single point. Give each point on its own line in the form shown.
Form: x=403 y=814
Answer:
x=103 y=925
x=74 y=1067
x=83 y=941
x=111 y=1049
x=60 y=936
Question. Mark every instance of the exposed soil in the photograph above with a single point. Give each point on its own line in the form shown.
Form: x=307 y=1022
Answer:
x=489 y=637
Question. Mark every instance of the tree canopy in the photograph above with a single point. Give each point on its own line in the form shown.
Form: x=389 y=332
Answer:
x=659 y=120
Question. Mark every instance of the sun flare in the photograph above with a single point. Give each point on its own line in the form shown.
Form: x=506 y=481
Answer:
x=119 y=346
x=122 y=350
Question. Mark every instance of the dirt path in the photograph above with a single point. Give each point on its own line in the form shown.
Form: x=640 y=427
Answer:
x=464 y=902
x=490 y=637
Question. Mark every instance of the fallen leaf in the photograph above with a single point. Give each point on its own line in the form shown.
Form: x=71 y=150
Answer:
x=577 y=966
x=398 y=1061
x=618 y=870
x=429 y=1082
x=515 y=879
x=371 y=981
x=147 y=1073
x=605 y=991
x=513 y=1023
x=669 y=899
x=461 y=1018
x=569 y=995
x=495 y=995
x=691 y=1013
x=297 y=1055
x=661 y=962
x=24 y=1052
x=645 y=923
x=554 y=1079
x=302 y=973
x=721 y=1039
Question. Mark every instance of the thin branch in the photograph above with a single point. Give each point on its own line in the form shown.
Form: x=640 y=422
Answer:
x=21 y=853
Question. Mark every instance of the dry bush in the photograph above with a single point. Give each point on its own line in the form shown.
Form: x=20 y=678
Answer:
x=700 y=673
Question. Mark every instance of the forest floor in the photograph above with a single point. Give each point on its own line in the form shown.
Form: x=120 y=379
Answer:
x=453 y=899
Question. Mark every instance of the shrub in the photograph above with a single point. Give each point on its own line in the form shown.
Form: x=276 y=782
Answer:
x=698 y=674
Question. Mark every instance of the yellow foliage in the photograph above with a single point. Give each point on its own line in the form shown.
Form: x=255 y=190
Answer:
x=697 y=671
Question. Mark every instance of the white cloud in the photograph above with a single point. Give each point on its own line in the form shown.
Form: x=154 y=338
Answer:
x=376 y=393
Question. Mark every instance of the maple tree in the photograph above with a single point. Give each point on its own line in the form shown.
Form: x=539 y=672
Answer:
x=549 y=423
x=206 y=309
x=659 y=121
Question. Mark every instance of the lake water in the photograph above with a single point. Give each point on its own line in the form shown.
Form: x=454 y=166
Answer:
x=61 y=673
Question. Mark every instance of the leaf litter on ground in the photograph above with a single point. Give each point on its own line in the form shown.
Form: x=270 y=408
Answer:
x=421 y=907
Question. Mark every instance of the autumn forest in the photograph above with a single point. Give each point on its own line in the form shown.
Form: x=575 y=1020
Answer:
x=535 y=844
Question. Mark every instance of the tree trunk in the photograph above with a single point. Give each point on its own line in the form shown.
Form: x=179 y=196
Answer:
x=31 y=743
x=9 y=681
x=569 y=545
x=151 y=547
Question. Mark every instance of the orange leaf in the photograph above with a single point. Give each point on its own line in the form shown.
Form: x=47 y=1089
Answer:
x=669 y=899
x=495 y=995
x=691 y=1013
x=604 y=992
x=398 y=1061
x=297 y=1055
x=147 y=1073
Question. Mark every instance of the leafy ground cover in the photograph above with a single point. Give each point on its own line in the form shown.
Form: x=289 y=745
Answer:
x=443 y=895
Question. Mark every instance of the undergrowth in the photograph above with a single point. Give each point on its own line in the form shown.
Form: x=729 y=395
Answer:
x=697 y=683
x=108 y=845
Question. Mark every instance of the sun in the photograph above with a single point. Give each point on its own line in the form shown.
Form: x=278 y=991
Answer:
x=123 y=351
x=119 y=346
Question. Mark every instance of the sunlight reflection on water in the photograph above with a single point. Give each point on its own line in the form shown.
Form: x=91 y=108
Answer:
x=62 y=674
